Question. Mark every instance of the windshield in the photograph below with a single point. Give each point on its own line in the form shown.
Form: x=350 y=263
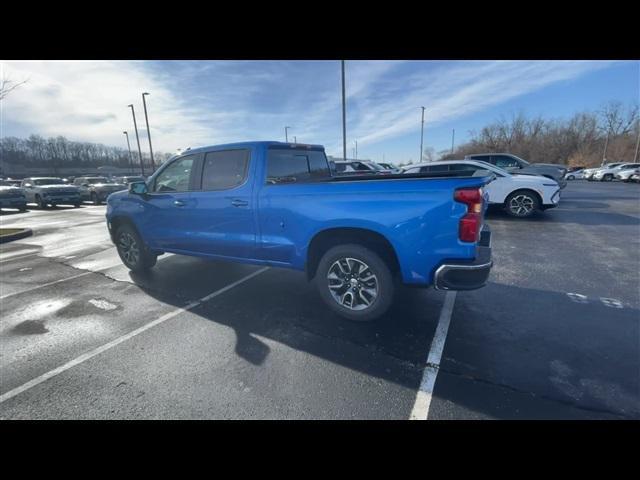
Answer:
x=95 y=180
x=374 y=166
x=48 y=181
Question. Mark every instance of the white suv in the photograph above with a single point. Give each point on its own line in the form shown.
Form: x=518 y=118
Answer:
x=521 y=195
x=608 y=174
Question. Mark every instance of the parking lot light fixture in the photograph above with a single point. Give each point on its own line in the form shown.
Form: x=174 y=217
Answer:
x=286 y=135
x=421 y=135
x=144 y=103
x=135 y=125
x=129 y=147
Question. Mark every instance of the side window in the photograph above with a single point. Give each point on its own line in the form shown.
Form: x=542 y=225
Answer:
x=176 y=177
x=503 y=161
x=291 y=166
x=224 y=169
x=435 y=168
x=461 y=167
x=360 y=167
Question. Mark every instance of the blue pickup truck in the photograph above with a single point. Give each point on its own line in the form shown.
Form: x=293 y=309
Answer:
x=278 y=204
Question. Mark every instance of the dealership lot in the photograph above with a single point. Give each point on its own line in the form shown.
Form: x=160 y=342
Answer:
x=555 y=334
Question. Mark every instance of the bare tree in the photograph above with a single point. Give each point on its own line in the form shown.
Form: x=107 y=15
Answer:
x=7 y=86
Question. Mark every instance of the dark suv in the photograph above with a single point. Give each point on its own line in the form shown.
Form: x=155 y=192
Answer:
x=515 y=164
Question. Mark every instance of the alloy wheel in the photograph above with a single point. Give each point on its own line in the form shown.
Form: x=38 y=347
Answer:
x=521 y=205
x=129 y=248
x=352 y=284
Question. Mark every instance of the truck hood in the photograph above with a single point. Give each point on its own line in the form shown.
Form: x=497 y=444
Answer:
x=61 y=186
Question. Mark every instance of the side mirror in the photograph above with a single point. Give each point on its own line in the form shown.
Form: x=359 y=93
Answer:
x=138 y=188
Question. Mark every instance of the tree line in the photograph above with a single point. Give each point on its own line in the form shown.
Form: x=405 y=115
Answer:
x=57 y=152
x=586 y=139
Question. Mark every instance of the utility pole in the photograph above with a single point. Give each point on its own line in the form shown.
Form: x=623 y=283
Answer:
x=635 y=157
x=286 y=136
x=453 y=136
x=344 y=118
x=604 y=155
x=153 y=166
x=129 y=147
x=135 y=125
x=421 y=136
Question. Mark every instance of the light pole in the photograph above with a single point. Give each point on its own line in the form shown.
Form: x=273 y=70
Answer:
x=129 y=147
x=295 y=140
x=344 y=118
x=421 y=135
x=356 y=148
x=153 y=166
x=135 y=125
x=453 y=136
x=286 y=136
x=604 y=154
x=635 y=157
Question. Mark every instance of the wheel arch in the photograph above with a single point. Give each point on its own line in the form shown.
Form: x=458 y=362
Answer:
x=328 y=238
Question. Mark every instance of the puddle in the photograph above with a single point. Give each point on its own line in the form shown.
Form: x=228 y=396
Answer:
x=30 y=327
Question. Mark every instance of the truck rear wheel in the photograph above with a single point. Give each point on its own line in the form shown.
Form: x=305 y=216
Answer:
x=132 y=250
x=355 y=282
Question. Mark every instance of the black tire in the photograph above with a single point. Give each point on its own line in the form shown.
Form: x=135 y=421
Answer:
x=76 y=205
x=522 y=204
x=382 y=282
x=607 y=178
x=41 y=204
x=138 y=260
x=94 y=198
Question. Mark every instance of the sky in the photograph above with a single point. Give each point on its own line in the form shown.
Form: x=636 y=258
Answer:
x=194 y=103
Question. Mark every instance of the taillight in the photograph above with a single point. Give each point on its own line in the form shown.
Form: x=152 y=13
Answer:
x=471 y=224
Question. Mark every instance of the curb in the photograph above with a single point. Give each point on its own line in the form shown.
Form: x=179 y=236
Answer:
x=24 y=233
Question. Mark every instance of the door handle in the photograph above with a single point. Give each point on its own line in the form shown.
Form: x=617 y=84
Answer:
x=179 y=203
x=239 y=203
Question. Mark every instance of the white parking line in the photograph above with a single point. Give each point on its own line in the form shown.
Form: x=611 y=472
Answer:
x=97 y=351
x=423 y=398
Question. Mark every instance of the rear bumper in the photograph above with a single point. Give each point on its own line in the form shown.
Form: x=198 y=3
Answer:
x=467 y=275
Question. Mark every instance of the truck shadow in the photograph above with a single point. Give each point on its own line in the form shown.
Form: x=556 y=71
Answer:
x=511 y=352
x=281 y=305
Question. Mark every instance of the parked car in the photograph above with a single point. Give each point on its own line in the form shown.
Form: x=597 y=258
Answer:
x=45 y=191
x=277 y=204
x=12 y=196
x=97 y=189
x=626 y=173
x=512 y=163
x=610 y=173
x=359 y=167
x=126 y=180
x=574 y=174
x=390 y=167
x=590 y=172
x=519 y=195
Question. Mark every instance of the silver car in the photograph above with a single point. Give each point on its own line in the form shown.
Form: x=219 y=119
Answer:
x=97 y=189
x=45 y=191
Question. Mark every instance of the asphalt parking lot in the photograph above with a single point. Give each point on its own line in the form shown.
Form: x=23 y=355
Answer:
x=554 y=335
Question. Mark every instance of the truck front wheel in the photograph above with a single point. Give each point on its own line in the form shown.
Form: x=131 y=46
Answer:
x=132 y=250
x=355 y=282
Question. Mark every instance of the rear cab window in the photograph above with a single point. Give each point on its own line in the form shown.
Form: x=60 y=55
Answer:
x=296 y=166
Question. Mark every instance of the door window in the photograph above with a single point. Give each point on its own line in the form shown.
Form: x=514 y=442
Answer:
x=176 y=177
x=225 y=169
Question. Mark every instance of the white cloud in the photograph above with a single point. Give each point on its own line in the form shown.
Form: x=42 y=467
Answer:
x=196 y=103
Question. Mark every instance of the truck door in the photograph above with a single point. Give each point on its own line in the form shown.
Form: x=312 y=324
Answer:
x=222 y=214
x=167 y=218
